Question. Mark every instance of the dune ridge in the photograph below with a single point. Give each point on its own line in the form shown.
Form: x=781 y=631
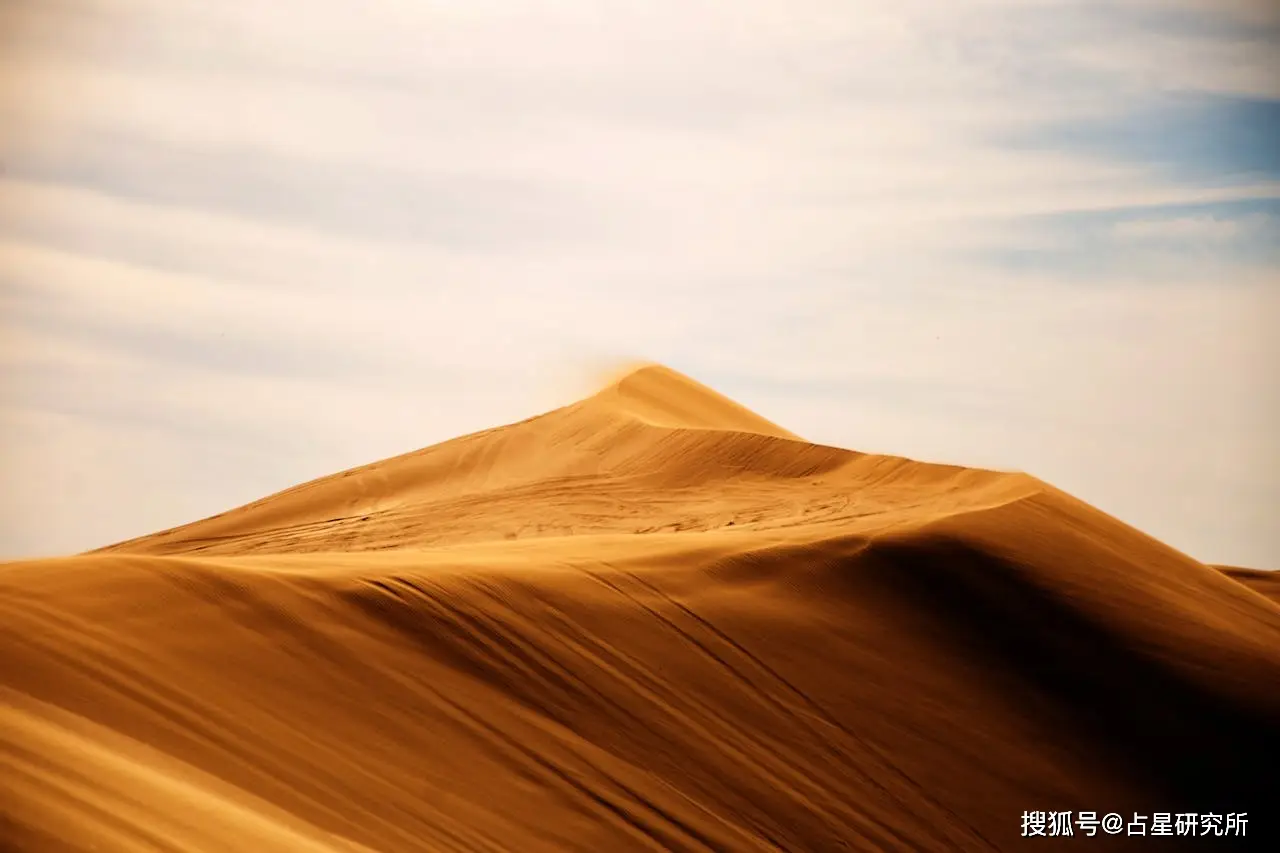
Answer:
x=648 y=620
x=653 y=436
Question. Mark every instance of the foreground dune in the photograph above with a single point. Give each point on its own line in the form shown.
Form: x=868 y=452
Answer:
x=649 y=620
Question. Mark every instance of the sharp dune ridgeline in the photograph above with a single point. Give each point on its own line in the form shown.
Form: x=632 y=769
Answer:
x=650 y=620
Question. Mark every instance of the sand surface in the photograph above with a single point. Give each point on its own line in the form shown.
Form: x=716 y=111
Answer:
x=652 y=620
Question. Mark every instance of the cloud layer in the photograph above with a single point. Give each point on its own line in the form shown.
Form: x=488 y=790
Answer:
x=245 y=244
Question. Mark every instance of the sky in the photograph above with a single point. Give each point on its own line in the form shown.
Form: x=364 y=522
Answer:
x=246 y=244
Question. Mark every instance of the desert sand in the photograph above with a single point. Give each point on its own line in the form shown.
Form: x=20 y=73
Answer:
x=651 y=620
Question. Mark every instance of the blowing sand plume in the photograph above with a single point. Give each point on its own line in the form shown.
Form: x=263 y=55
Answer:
x=650 y=620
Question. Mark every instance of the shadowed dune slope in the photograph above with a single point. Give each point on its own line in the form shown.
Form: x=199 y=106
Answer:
x=647 y=621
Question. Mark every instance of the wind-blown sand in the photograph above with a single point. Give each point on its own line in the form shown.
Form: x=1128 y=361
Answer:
x=649 y=620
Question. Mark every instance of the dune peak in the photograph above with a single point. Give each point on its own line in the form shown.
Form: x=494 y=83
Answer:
x=661 y=396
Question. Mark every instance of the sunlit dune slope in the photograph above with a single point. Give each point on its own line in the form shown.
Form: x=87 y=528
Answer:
x=646 y=621
x=653 y=451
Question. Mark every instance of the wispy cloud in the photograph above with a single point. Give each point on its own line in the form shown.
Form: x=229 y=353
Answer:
x=1219 y=244
x=1201 y=229
x=293 y=237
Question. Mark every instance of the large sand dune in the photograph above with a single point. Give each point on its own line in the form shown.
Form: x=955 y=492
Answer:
x=649 y=620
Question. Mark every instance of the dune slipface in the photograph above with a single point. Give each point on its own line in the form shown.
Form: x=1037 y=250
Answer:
x=649 y=620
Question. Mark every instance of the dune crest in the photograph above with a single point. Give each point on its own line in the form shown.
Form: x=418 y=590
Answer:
x=660 y=396
x=649 y=620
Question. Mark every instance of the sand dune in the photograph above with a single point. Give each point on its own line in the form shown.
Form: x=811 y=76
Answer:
x=1265 y=582
x=648 y=620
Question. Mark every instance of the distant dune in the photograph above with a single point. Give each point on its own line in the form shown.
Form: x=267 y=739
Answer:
x=651 y=620
x=1265 y=582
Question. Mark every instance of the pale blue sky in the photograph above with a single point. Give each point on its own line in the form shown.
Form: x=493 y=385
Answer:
x=244 y=244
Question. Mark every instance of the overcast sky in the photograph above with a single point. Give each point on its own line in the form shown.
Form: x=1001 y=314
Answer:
x=244 y=244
